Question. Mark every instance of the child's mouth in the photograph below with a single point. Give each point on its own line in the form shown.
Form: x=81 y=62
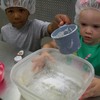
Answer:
x=86 y=38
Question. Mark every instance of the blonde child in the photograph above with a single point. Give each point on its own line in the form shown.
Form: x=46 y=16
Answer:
x=88 y=19
x=21 y=32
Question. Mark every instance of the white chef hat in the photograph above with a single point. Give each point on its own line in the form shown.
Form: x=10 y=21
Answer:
x=27 y=4
x=85 y=4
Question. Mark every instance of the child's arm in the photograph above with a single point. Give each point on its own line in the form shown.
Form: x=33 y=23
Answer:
x=51 y=44
x=59 y=20
x=39 y=61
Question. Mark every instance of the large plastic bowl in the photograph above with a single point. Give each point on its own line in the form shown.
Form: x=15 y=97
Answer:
x=65 y=79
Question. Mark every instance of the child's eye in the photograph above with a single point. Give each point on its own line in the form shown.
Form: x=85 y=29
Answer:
x=10 y=11
x=83 y=24
x=96 y=26
x=22 y=10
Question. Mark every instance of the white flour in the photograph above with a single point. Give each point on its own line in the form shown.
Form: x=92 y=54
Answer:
x=55 y=86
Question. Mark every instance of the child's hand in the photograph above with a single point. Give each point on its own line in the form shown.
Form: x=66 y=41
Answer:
x=59 y=20
x=39 y=61
x=93 y=90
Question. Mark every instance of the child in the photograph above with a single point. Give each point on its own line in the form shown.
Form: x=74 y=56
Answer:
x=88 y=19
x=21 y=32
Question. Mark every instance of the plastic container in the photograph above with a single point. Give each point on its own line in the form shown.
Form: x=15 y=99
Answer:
x=64 y=79
x=67 y=38
x=1 y=72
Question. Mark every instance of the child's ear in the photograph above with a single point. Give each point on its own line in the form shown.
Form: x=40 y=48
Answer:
x=28 y=13
x=5 y=10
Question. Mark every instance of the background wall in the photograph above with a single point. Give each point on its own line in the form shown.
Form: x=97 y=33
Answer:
x=47 y=9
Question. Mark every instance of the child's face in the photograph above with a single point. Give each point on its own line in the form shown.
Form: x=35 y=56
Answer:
x=89 y=24
x=17 y=16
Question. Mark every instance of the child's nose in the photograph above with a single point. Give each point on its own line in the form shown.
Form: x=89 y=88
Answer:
x=88 y=30
x=16 y=15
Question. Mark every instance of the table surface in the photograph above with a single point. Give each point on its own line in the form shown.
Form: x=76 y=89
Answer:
x=8 y=91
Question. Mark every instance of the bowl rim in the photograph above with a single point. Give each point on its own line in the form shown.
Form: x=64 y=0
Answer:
x=60 y=29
